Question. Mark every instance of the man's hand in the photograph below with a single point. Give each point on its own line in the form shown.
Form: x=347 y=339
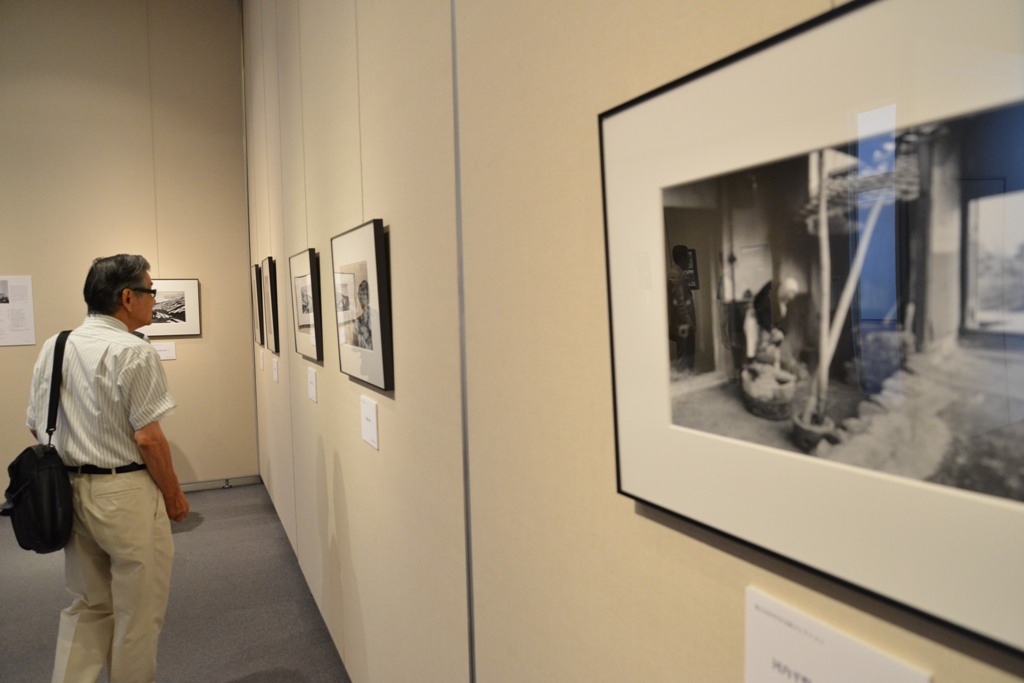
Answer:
x=156 y=453
x=177 y=506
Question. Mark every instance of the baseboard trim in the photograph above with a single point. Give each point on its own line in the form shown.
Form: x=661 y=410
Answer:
x=222 y=483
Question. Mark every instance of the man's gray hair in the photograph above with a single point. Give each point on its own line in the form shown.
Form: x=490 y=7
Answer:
x=111 y=275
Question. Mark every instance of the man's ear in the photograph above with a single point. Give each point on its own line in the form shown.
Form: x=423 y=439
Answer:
x=126 y=297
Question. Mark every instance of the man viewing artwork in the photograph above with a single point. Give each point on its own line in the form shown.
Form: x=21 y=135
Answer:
x=118 y=559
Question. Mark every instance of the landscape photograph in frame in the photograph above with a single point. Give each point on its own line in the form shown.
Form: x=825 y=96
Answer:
x=176 y=311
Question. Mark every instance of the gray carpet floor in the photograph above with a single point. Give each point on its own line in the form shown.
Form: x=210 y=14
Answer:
x=240 y=611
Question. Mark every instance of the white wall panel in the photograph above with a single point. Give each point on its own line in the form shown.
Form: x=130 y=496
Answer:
x=267 y=240
x=574 y=582
x=364 y=130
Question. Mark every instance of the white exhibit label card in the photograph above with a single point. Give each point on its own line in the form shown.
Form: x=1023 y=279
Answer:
x=17 y=323
x=368 y=420
x=311 y=384
x=784 y=645
x=166 y=350
x=275 y=369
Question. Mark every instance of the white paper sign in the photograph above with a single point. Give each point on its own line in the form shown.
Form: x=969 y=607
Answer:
x=17 y=323
x=166 y=350
x=784 y=645
x=311 y=384
x=368 y=420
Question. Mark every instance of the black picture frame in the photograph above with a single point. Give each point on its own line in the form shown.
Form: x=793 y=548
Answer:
x=917 y=126
x=177 y=311
x=304 y=269
x=256 y=284
x=362 y=298
x=268 y=270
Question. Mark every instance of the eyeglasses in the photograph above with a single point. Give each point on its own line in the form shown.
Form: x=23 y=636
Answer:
x=143 y=290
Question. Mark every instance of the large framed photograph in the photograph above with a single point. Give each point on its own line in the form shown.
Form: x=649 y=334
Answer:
x=305 y=279
x=256 y=282
x=176 y=312
x=362 y=303
x=843 y=384
x=268 y=271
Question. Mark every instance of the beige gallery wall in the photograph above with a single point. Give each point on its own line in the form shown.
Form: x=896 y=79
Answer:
x=573 y=582
x=349 y=111
x=494 y=210
x=121 y=131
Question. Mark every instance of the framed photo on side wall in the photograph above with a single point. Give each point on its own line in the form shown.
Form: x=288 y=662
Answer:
x=257 y=304
x=304 y=268
x=176 y=312
x=846 y=388
x=268 y=271
x=362 y=304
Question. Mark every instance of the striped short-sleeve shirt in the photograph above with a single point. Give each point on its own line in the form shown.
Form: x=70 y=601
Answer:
x=113 y=385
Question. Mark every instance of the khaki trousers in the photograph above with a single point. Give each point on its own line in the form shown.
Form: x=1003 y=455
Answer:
x=117 y=565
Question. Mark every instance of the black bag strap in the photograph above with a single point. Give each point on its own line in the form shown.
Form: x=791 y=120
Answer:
x=55 y=381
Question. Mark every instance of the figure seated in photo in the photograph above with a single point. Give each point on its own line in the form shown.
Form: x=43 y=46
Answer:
x=796 y=321
x=780 y=343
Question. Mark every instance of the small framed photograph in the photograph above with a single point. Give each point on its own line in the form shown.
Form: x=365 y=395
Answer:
x=305 y=280
x=176 y=313
x=256 y=281
x=268 y=273
x=362 y=303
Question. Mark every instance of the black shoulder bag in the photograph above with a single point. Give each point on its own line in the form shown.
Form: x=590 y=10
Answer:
x=39 y=495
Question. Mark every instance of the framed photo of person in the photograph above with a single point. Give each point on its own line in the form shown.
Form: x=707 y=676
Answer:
x=304 y=268
x=362 y=304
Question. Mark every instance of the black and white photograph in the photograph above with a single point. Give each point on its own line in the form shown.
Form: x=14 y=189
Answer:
x=362 y=304
x=268 y=272
x=176 y=311
x=345 y=303
x=352 y=295
x=303 y=301
x=903 y=352
x=816 y=300
x=5 y=292
x=256 y=292
x=305 y=278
